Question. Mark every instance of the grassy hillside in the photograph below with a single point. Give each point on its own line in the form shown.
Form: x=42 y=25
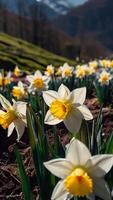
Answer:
x=14 y=51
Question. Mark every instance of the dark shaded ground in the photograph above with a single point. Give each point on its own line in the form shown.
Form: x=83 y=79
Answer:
x=10 y=185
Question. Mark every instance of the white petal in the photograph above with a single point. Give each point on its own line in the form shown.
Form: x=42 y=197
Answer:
x=49 y=96
x=2 y=112
x=20 y=127
x=59 y=167
x=38 y=74
x=85 y=112
x=50 y=119
x=4 y=102
x=20 y=84
x=46 y=79
x=99 y=165
x=20 y=107
x=77 y=152
x=63 y=92
x=59 y=192
x=10 y=129
x=73 y=121
x=9 y=74
x=78 y=95
x=30 y=78
x=101 y=189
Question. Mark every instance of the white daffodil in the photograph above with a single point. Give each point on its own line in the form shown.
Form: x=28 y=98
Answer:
x=5 y=80
x=104 y=63
x=14 y=116
x=81 y=174
x=38 y=81
x=67 y=70
x=19 y=91
x=66 y=106
x=80 y=72
x=49 y=70
x=93 y=64
x=105 y=77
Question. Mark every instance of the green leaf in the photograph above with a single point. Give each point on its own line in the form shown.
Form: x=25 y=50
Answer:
x=109 y=145
x=26 y=189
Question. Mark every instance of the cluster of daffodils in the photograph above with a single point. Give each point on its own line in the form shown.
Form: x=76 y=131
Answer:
x=93 y=69
x=100 y=71
x=64 y=106
x=84 y=71
x=81 y=174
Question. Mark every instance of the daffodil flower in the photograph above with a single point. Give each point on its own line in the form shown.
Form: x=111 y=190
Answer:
x=105 y=77
x=38 y=81
x=5 y=80
x=19 y=91
x=14 y=116
x=81 y=174
x=49 y=70
x=67 y=70
x=104 y=63
x=80 y=72
x=66 y=106
x=17 y=71
x=93 y=64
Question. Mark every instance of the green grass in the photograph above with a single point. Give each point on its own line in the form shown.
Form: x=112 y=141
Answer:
x=14 y=51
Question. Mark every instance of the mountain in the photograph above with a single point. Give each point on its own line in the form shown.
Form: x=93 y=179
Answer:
x=14 y=51
x=17 y=6
x=59 y=6
x=75 y=33
x=93 y=19
x=45 y=8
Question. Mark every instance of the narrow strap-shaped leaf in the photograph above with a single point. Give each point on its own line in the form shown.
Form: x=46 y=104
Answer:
x=26 y=189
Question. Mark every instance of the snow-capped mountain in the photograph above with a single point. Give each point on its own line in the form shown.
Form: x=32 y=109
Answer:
x=59 y=6
x=62 y=6
x=47 y=9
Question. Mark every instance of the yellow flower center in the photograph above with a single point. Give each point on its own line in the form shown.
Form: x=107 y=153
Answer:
x=80 y=73
x=50 y=71
x=4 y=81
x=38 y=83
x=60 y=109
x=67 y=72
x=78 y=183
x=18 y=92
x=104 y=78
x=7 y=118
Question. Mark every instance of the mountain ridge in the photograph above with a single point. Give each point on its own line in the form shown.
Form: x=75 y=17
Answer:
x=93 y=19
